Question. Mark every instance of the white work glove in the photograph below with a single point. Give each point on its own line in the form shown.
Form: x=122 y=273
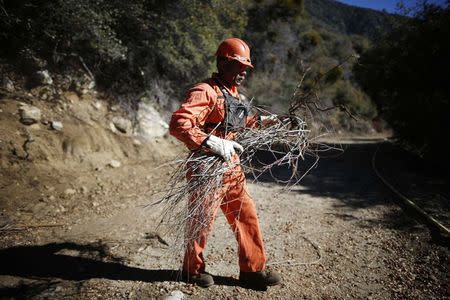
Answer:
x=222 y=147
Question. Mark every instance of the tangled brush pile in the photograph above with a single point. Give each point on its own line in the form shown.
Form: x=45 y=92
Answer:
x=285 y=140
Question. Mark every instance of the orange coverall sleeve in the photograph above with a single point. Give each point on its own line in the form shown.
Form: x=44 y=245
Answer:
x=188 y=121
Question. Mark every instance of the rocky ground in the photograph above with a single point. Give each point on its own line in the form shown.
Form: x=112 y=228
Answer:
x=74 y=222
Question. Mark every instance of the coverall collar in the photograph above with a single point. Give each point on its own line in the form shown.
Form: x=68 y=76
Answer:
x=233 y=90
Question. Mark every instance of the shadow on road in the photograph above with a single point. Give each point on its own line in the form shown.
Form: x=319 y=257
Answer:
x=345 y=175
x=348 y=176
x=47 y=262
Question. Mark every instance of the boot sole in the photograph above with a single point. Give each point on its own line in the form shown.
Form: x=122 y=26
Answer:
x=190 y=281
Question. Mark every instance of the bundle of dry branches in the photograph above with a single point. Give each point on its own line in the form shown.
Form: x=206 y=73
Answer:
x=205 y=173
x=199 y=177
x=286 y=141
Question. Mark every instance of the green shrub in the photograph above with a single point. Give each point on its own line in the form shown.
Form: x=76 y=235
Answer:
x=312 y=38
x=334 y=74
x=360 y=44
x=354 y=99
x=132 y=47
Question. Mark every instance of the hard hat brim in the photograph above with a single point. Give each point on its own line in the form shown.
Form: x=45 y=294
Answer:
x=242 y=60
x=247 y=64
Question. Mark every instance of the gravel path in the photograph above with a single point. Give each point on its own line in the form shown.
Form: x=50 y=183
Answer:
x=338 y=235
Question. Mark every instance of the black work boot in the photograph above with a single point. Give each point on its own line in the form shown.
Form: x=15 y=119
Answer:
x=259 y=279
x=201 y=279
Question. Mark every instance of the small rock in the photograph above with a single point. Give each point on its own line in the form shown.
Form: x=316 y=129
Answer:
x=122 y=124
x=29 y=114
x=44 y=77
x=71 y=97
x=63 y=105
x=97 y=105
x=95 y=204
x=150 y=123
x=8 y=84
x=113 y=128
x=35 y=126
x=91 y=85
x=114 y=163
x=51 y=198
x=115 y=108
x=84 y=190
x=50 y=188
x=163 y=124
x=70 y=191
x=174 y=295
x=57 y=125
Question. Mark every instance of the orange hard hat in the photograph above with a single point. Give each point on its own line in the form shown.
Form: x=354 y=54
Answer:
x=237 y=49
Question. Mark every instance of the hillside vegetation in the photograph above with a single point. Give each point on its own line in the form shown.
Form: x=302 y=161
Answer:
x=350 y=19
x=153 y=50
x=406 y=74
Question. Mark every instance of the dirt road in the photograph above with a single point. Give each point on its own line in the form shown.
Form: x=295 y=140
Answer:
x=338 y=235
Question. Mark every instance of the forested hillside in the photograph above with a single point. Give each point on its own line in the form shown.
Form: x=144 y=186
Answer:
x=350 y=19
x=152 y=50
x=406 y=74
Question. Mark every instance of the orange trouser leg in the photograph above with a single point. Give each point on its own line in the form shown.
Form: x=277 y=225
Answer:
x=240 y=212
x=239 y=209
x=197 y=229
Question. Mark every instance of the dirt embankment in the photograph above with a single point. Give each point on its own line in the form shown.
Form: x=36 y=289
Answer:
x=74 y=224
x=56 y=164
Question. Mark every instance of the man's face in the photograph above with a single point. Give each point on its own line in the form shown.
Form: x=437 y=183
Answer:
x=234 y=72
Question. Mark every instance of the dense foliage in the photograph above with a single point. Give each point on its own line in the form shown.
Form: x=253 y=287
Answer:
x=158 y=48
x=127 y=45
x=407 y=76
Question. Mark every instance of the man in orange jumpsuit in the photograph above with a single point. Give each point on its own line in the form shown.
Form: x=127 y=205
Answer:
x=208 y=120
